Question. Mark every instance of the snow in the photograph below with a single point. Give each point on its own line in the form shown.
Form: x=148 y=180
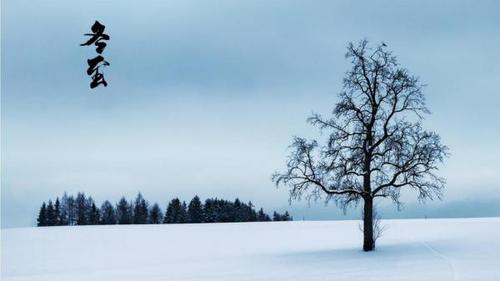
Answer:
x=434 y=249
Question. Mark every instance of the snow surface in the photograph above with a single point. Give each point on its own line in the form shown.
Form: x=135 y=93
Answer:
x=434 y=249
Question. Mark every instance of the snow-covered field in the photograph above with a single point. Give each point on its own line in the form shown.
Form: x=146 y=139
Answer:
x=434 y=249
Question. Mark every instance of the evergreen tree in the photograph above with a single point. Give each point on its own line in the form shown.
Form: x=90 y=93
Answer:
x=108 y=214
x=81 y=209
x=155 y=214
x=94 y=214
x=124 y=212
x=42 y=215
x=238 y=212
x=249 y=212
x=210 y=211
x=91 y=213
x=176 y=212
x=57 y=211
x=261 y=216
x=140 y=210
x=51 y=214
x=224 y=211
x=195 y=210
x=282 y=217
x=286 y=217
x=276 y=216
x=183 y=216
x=171 y=211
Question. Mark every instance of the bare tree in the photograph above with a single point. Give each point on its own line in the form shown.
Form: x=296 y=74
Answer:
x=375 y=144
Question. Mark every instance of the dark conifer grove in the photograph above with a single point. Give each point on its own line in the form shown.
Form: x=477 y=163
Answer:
x=82 y=210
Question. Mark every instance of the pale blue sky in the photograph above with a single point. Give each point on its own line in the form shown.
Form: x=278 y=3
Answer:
x=205 y=96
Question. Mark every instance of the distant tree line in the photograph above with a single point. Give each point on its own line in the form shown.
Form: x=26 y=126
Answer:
x=82 y=210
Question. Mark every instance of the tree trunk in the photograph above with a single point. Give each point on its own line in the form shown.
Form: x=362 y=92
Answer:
x=368 y=242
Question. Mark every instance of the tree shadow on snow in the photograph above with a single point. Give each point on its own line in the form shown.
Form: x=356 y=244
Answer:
x=407 y=251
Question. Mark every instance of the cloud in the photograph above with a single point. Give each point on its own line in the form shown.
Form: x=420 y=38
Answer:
x=204 y=97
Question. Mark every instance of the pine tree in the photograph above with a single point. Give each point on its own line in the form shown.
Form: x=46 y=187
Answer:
x=124 y=212
x=176 y=212
x=282 y=217
x=42 y=215
x=238 y=212
x=91 y=213
x=195 y=210
x=276 y=216
x=261 y=216
x=183 y=216
x=94 y=214
x=155 y=214
x=140 y=210
x=222 y=210
x=51 y=214
x=171 y=212
x=287 y=217
x=108 y=214
x=81 y=209
x=249 y=213
x=253 y=215
x=209 y=211
x=57 y=211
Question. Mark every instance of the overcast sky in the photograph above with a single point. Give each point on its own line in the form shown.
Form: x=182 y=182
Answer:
x=205 y=96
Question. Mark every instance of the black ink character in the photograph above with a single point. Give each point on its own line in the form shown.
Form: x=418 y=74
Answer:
x=97 y=36
x=97 y=77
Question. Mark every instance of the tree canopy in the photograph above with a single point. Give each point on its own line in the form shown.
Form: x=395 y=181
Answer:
x=375 y=144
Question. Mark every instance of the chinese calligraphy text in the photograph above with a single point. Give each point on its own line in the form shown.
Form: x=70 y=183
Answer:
x=97 y=38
